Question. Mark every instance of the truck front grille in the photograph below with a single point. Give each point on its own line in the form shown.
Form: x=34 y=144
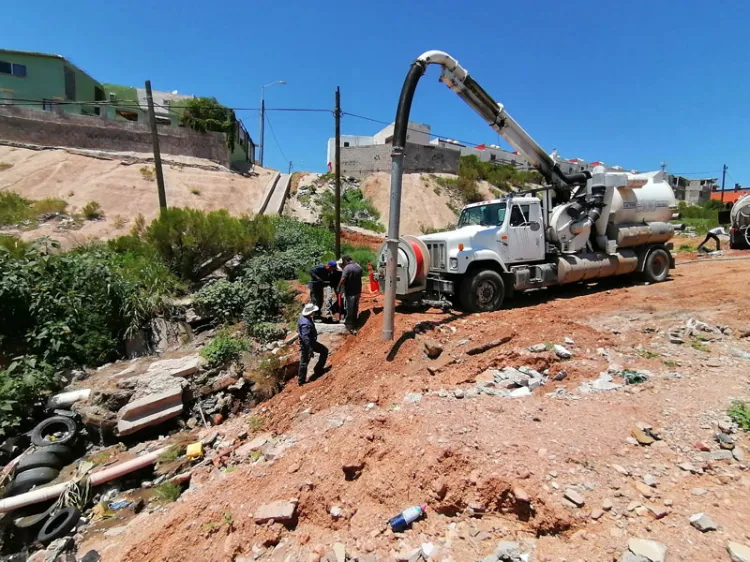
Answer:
x=438 y=256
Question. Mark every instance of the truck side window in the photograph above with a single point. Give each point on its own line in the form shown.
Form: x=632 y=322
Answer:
x=519 y=215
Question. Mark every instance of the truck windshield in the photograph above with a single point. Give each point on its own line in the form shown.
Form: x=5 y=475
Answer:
x=492 y=214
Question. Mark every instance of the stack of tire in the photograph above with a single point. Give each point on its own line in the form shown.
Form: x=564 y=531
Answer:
x=53 y=443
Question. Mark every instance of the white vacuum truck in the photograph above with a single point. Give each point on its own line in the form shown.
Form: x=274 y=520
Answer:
x=583 y=226
x=739 y=219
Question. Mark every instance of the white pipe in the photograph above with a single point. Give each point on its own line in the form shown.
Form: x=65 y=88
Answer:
x=52 y=492
x=68 y=398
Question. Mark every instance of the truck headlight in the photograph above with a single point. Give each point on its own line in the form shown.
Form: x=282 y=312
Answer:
x=453 y=263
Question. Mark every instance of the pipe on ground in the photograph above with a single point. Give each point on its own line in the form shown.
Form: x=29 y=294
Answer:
x=52 y=492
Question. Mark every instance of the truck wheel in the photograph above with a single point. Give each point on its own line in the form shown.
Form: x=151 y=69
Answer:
x=484 y=292
x=656 y=268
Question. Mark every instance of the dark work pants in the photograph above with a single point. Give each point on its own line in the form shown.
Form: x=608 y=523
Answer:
x=304 y=360
x=708 y=237
x=352 y=311
x=316 y=297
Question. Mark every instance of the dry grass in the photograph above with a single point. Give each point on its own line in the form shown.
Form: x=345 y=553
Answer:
x=267 y=376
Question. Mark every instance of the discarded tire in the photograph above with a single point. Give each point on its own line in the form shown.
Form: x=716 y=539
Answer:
x=40 y=435
x=64 y=452
x=34 y=519
x=25 y=481
x=39 y=459
x=59 y=525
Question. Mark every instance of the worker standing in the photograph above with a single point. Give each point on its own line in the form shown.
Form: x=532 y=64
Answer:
x=351 y=283
x=309 y=344
x=713 y=234
x=320 y=276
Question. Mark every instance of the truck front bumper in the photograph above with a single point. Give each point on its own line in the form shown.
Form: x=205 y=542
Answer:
x=436 y=285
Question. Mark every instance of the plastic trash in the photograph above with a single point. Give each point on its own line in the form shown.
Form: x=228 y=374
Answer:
x=119 y=504
x=402 y=521
x=194 y=450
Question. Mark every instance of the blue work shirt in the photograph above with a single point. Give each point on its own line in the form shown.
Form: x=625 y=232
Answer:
x=308 y=333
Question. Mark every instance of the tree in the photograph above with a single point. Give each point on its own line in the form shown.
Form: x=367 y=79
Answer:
x=207 y=114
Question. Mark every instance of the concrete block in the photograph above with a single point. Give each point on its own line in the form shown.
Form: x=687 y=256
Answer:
x=149 y=410
x=181 y=367
x=278 y=511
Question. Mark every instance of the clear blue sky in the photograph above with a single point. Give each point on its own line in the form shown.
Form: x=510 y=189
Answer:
x=630 y=83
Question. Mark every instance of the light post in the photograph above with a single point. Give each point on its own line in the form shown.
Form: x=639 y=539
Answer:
x=263 y=116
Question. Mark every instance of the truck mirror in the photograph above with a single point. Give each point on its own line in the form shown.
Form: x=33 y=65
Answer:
x=534 y=225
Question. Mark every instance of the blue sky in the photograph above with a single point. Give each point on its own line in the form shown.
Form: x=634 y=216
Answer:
x=631 y=83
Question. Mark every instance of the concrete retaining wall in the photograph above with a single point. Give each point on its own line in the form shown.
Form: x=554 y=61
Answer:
x=363 y=160
x=20 y=124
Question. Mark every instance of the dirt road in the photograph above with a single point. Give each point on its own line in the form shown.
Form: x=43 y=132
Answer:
x=387 y=428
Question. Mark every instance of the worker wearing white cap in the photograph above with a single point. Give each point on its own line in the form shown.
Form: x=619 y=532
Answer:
x=309 y=345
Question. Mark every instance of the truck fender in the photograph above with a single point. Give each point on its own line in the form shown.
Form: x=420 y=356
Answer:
x=643 y=254
x=488 y=256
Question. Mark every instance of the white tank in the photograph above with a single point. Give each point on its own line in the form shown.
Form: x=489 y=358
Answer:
x=646 y=198
x=740 y=214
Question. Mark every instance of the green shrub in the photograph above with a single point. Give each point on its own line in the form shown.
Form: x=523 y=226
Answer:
x=266 y=332
x=13 y=208
x=5 y=166
x=13 y=245
x=361 y=254
x=223 y=299
x=49 y=205
x=224 y=349
x=23 y=383
x=188 y=239
x=740 y=414
x=92 y=211
x=355 y=210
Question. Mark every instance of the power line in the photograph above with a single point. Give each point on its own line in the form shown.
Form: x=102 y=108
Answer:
x=273 y=134
x=136 y=105
x=695 y=173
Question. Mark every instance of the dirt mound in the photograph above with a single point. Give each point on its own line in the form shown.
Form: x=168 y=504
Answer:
x=124 y=187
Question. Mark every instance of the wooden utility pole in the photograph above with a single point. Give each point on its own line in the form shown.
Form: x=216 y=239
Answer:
x=155 y=143
x=290 y=166
x=337 y=115
x=262 y=130
x=723 y=177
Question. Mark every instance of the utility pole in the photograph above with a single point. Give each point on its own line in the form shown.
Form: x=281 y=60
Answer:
x=262 y=129
x=290 y=166
x=155 y=143
x=723 y=177
x=337 y=114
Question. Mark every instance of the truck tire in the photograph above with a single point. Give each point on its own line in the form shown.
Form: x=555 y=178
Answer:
x=25 y=481
x=656 y=267
x=483 y=292
x=56 y=424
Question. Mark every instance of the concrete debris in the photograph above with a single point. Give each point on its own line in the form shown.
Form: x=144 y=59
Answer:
x=538 y=348
x=738 y=454
x=659 y=511
x=603 y=383
x=575 y=497
x=520 y=392
x=650 y=480
x=725 y=442
x=336 y=512
x=432 y=348
x=645 y=491
x=149 y=410
x=688 y=467
x=650 y=550
x=256 y=444
x=183 y=367
x=630 y=557
x=738 y=552
x=412 y=397
x=621 y=470
x=644 y=437
x=739 y=353
x=702 y=522
x=562 y=352
x=339 y=550
x=276 y=511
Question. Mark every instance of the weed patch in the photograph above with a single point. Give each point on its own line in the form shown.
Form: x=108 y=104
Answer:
x=92 y=211
x=167 y=492
x=739 y=412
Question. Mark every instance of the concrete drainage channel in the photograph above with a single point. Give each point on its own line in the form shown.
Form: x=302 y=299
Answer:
x=275 y=195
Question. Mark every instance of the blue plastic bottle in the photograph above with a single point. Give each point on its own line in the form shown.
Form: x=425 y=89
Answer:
x=402 y=521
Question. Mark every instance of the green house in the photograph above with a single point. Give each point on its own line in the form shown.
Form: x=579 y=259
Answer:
x=41 y=81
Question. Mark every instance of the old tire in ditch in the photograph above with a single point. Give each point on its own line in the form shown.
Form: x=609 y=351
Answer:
x=25 y=481
x=59 y=525
x=66 y=453
x=29 y=519
x=39 y=459
x=61 y=424
x=656 y=267
x=482 y=292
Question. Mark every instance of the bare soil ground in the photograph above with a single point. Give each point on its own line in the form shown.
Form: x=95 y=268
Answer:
x=117 y=183
x=374 y=436
x=424 y=203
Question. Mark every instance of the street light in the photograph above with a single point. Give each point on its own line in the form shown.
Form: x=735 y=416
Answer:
x=263 y=116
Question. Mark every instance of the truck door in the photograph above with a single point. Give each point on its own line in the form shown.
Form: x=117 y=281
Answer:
x=525 y=233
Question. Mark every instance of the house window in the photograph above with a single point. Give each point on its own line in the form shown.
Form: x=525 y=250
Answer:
x=492 y=157
x=70 y=83
x=18 y=70
x=346 y=145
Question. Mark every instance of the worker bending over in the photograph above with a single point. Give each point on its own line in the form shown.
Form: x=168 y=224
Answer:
x=351 y=283
x=309 y=345
x=713 y=234
x=320 y=276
